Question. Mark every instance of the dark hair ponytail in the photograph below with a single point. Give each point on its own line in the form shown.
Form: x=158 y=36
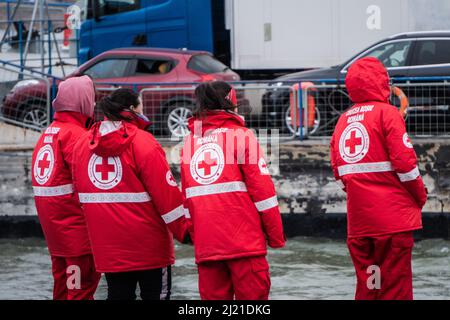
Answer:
x=118 y=101
x=212 y=96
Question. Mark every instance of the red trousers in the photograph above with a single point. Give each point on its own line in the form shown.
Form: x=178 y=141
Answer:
x=387 y=256
x=65 y=272
x=242 y=279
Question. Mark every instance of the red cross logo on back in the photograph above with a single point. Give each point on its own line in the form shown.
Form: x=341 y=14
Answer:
x=207 y=164
x=353 y=142
x=105 y=172
x=105 y=169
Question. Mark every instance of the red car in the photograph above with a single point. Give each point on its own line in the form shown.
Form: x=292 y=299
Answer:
x=137 y=68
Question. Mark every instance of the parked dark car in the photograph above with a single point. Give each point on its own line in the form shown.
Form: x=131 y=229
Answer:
x=137 y=68
x=407 y=55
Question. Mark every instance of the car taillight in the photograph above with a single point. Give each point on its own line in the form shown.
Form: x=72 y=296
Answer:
x=206 y=78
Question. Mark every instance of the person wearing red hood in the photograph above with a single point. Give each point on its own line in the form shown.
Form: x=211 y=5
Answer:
x=230 y=198
x=374 y=162
x=59 y=211
x=130 y=199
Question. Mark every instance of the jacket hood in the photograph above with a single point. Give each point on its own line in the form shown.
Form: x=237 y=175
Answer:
x=215 y=119
x=73 y=117
x=111 y=138
x=77 y=95
x=368 y=80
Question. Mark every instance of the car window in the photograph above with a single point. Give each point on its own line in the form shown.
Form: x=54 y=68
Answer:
x=206 y=64
x=111 y=68
x=152 y=67
x=432 y=52
x=109 y=7
x=392 y=54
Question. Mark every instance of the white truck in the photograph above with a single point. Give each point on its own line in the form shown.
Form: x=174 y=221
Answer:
x=302 y=34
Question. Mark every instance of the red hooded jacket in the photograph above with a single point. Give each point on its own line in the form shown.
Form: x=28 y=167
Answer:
x=373 y=159
x=229 y=193
x=130 y=198
x=59 y=211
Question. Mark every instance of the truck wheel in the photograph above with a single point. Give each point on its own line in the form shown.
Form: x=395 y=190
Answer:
x=35 y=115
x=176 y=120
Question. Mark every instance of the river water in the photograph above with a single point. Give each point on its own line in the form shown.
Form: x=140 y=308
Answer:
x=307 y=268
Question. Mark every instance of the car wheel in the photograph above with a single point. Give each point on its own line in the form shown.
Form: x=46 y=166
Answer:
x=36 y=116
x=289 y=124
x=176 y=120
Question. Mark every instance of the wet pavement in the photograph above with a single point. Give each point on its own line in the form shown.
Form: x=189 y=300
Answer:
x=307 y=268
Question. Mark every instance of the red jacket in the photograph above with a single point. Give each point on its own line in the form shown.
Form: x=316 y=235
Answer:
x=59 y=211
x=229 y=193
x=130 y=198
x=373 y=158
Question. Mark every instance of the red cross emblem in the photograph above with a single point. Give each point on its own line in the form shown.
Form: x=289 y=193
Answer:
x=170 y=179
x=353 y=142
x=43 y=165
x=407 y=141
x=263 y=166
x=207 y=164
x=105 y=172
x=104 y=169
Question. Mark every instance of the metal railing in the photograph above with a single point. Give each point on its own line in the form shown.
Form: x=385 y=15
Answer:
x=169 y=105
x=427 y=102
x=428 y=112
x=35 y=35
x=25 y=98
x=311 y=111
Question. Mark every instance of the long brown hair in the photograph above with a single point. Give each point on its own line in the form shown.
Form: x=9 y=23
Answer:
x=212 y=96
x=118 y=101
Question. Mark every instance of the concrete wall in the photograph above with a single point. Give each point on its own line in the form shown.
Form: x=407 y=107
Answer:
x=306 y=183
x=13 y=137
x=16 y=194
